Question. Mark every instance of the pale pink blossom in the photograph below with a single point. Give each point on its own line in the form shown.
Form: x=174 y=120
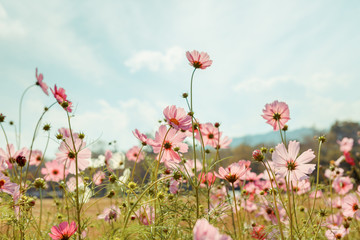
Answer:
x=317 y=194
x=203 y=230
x=67 y=154
x=71 y=183
x=177 y=118
x=334 y=220
x=6 y=185
x=168 y=143
x=276 y=113
x=110 y=214
x=36 y=157
x=54 y=171
x=189 y=167
x=288 y=164
x=9 y=155
x=142 y=137
x=63 y=231
x=334 y=173
x=342 y=185
x=39 y=82
x=210 y=135
x=267 y=210
x=99 y=177
x=336 y=233
x=337 y=202
x=351 y=206
x=146 y=215
x=346 y=144
x=224 y=142
x=134 y=154
x=301 y=187
x=232 y=173
x=198 y=60
x=174 y=186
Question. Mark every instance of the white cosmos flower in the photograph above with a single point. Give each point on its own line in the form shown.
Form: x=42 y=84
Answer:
x=97 y=162
x=125 y=177
x=117 y=161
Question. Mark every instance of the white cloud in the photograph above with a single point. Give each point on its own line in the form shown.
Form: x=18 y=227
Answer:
x=9 y=28
x=256 y=84
x=155 y=61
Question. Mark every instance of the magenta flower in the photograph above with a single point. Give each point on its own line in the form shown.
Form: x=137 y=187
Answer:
x=267 y=210
x=276 y=113
x=99 y=177
x=351 y=206
x=288 y=164
x=54 y=171
x=174 y=186
x=64 y=231
x=198 y=60
x=203 y=230
x=142 y=137
x=134 y=154
x=67 y=154
x=61 y=98
x=110 y=214
x=342 y=185
x=232 y=173
x=36 y=157
x=177 y=118
x=39 y=82
x=6 y=186
x=172 y=142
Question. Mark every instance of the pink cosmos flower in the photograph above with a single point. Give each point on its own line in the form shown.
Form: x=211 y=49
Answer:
x=208 y=178
x=342 y=185
x=110 y=214
x=6 y=185
x=336 y=233
x=67 y=154
x=351 y=206
x=172 y=142
x=258 y=232
x=189 y=167
x=142 y=137
x=54 y=171
x=39 y=82
x=36 y=157
x=267 y=210
x=108 y=156
x=232 y=173
x=134 y=154
x=198 y=60
x=99 y=177
x=174 y=186
x=318 y=194
x=203 y=230
x=337 y=202
x=276 y=113
x=64 y=231
x=9 y=155
x=61 y=97
x=71 y=183
x=146 y=215
x=334 y=173
x=224 y=142
x=288 y=164
x=177 y=118
x=210 y=135
x=346 y=144
x=334 y=220
x=301 y=187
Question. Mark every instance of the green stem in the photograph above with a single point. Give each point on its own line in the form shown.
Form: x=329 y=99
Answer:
x=20 y=107
x=236 y=210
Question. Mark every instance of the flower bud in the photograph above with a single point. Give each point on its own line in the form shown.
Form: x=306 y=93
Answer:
x=185 y=95
x=21 y=160
x=132 y=185
x=39 y=183
x=2 y=118
x=112 y=178
x=257 y=155
x=217 y=125
x=46 y=127
x=322 y=139
x=111 y=194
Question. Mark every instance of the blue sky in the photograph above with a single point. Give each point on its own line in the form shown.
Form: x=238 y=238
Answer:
x=122 y=62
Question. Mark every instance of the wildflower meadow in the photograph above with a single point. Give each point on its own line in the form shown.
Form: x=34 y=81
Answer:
x=188 y=188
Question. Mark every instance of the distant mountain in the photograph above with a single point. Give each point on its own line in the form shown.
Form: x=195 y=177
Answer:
x=274 y=137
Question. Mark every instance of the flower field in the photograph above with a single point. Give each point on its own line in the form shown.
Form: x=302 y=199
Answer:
x=188 y=189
